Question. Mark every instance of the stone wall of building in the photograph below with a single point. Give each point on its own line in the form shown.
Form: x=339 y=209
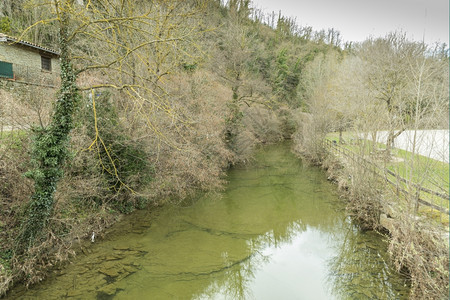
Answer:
x=24 y=56
x=27 y=66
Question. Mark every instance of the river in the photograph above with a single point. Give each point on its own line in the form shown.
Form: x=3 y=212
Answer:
x=278 y=231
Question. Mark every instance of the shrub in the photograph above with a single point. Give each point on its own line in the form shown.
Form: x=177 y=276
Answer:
x=124 y=163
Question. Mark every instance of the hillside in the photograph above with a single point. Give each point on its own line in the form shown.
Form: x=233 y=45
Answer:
x=157 y=100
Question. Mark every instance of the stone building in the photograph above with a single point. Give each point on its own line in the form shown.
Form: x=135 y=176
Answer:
x=26 y=62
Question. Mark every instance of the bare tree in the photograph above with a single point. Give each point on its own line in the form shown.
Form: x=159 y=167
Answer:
x=125 y=32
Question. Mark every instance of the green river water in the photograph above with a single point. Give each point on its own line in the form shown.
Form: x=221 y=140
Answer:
x=278 y=231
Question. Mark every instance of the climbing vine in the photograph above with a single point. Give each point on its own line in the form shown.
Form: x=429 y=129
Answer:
x=50 y=149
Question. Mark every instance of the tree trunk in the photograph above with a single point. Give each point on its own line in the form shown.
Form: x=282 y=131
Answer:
x=50 y=149
x=392 y=135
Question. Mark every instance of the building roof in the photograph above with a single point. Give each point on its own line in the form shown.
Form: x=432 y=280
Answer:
x=12 y=40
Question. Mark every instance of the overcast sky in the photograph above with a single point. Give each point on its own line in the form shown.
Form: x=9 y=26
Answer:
x=359 y=19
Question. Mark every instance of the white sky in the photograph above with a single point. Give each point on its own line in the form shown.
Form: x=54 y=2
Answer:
x=359 y=19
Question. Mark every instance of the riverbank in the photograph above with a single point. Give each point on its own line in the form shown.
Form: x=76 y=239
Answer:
x=278 y=229
x=184 y=91
x=89 y=199
x=417 y=243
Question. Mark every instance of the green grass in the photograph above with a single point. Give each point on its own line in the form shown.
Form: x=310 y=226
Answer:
x=427 y=172
x=421 y=170
x=13 y=139
x=13 y=134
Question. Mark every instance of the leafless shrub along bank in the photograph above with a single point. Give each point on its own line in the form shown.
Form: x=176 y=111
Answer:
x=394 y=85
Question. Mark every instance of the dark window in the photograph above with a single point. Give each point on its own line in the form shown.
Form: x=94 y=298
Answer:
x=46 y=63
x=6 y=70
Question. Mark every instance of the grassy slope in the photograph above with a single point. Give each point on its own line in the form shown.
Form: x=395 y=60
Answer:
x=424 y=171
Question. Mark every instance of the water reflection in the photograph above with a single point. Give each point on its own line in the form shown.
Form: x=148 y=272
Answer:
x=277 y=232
x=361 y=271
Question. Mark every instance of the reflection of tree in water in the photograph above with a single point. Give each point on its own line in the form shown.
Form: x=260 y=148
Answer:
x=360 y=270
x=235 y=280
x=216 y=246
x=286 y=192
x=278 y=236
x=237 y=277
